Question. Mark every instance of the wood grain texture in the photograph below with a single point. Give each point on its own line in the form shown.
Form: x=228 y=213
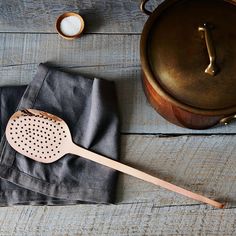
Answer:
x=113 y=57
x=89 y=50
x=100 y=16
x=118 y=220
x=203 y=164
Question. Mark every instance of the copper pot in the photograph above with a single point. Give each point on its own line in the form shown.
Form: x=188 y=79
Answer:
x=188 y=58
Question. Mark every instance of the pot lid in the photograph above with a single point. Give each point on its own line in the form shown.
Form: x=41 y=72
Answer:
x=191 y=48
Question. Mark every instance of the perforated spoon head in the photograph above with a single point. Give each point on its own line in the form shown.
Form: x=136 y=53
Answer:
x=38 y=135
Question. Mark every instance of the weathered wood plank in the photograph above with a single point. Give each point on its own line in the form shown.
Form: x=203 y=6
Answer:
x=136 y=113
x=113 y=16
x=114 y=57
x=89 y=50
x=128 y=219
x=205 y=165
x=202 y=164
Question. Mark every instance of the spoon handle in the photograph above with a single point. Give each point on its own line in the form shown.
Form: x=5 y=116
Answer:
x=76 y=150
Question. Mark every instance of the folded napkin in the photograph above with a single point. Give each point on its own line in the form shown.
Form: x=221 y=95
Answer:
x=89 y=107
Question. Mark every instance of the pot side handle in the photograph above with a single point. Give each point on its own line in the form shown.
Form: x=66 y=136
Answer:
x=228 y=119
x=143 y=8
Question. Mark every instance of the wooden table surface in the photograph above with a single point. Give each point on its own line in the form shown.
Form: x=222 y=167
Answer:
x=203 y=161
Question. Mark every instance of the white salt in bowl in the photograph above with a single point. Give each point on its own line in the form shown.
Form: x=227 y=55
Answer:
x=70 y=25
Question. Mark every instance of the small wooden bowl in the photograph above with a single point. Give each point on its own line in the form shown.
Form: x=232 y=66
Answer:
x=58 y=25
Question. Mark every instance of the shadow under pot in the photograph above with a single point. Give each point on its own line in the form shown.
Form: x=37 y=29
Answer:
x=188 y=58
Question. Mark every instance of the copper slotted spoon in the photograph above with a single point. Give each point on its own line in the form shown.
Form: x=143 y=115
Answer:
x=46 y=138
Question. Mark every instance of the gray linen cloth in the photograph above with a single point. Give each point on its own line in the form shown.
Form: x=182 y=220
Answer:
x=89 y=107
